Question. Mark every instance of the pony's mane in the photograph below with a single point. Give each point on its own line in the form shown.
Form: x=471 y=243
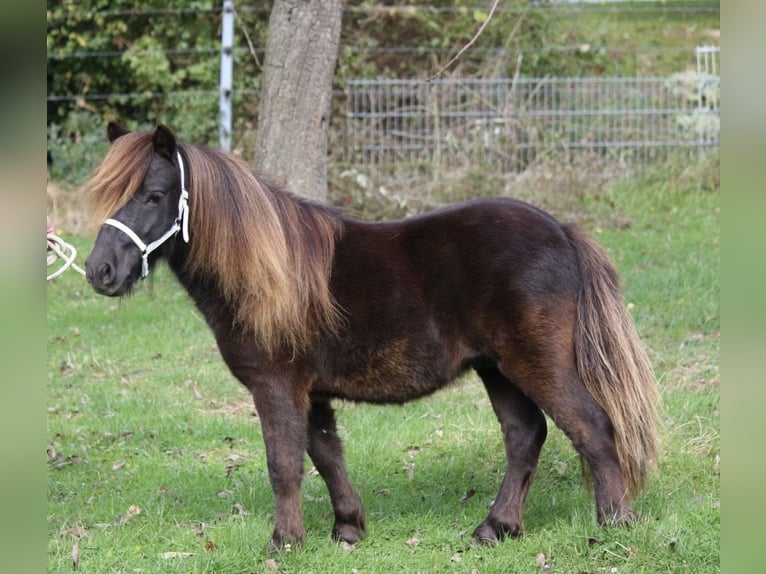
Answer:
x=270 y=253
x=119 y=175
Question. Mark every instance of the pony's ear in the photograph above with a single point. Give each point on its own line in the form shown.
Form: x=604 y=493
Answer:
x=164 y=142
x=115 y=130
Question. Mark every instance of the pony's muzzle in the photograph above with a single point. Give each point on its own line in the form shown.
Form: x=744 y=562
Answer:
x=102 y=276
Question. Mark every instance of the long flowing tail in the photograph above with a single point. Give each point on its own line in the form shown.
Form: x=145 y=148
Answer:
x=613 y=365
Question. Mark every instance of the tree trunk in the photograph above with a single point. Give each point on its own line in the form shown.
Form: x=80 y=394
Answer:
x=296 y=95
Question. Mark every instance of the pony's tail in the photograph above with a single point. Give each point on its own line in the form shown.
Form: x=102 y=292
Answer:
x=613 y=365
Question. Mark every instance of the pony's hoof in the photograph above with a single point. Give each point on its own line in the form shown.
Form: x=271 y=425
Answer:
x=485 y=536
x=491 y=533
x=349 y=533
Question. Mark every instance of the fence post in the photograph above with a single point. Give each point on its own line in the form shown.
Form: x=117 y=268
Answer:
x=707 y=72
x=227 y=64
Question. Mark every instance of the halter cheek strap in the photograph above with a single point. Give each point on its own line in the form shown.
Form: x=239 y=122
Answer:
x=180 y=224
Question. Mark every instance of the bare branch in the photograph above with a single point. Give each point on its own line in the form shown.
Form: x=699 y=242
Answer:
x=468 y=45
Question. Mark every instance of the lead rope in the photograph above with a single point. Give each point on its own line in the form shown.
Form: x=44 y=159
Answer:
x=61 y=250
x=180 y=224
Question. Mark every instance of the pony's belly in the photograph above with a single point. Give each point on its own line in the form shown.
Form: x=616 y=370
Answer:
x=394 y=373
x=381 y=389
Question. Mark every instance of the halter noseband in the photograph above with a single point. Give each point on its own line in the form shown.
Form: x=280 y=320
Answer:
x=180 y=224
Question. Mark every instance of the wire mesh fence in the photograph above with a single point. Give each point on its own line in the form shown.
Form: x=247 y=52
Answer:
x=508 y=124
x=414 y=127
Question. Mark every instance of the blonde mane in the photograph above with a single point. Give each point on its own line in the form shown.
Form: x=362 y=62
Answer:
x=270 y=253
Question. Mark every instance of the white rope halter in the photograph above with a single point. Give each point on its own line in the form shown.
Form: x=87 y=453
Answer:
x=180 y=224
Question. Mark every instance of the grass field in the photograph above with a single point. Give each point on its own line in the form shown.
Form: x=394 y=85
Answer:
x=638 y=38
x=156 y=462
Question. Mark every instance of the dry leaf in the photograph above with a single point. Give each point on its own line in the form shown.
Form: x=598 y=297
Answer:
x=541 y=561
x=58 y=461
x=413 y=541
x=469 y=494
x=125 y=435
x=195 y=389
x=77 y=531
x=118 y=465
x=132 y=512
x=76 y=553
x=271 y=565
x=413 y=450
x=457 y=557
x=209 y=545
x=61 y=463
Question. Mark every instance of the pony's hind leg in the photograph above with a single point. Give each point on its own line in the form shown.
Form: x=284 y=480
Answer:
x=326 y=452
x=560 y=392
x=524 y=432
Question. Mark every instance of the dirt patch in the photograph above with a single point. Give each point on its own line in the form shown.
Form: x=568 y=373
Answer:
x=238 y=407
x=235 y=409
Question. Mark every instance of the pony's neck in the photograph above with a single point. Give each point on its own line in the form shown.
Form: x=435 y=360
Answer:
x=263 y=255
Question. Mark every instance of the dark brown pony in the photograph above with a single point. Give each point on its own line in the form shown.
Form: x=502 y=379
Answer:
x=308 y=305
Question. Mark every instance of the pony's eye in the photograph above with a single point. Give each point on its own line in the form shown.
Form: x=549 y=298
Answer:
x=154 y=198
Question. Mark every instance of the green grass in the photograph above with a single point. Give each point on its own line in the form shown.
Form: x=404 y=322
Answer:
x=636 y=39
x=142 y=414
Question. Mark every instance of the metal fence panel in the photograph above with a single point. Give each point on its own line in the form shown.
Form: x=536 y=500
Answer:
x=708 y=95
x=507 y=124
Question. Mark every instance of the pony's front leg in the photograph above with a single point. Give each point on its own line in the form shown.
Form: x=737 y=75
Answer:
x=284 y=423
x=326 y=452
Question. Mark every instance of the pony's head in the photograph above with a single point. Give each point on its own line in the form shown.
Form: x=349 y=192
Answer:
x=139 y=197
x=266 y=253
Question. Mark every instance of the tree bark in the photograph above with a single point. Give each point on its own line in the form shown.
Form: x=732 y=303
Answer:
x=296 y=95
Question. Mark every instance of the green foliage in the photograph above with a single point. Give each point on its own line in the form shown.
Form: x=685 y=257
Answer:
x=150 y=61
x=155 y=61
x=150 y=66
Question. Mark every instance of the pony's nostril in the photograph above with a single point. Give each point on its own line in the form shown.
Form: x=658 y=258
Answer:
x=106 y=273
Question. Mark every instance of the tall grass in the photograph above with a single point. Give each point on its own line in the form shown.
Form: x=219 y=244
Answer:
x=156 y=462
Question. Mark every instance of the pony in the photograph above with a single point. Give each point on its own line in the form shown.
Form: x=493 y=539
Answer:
x=308 y=305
